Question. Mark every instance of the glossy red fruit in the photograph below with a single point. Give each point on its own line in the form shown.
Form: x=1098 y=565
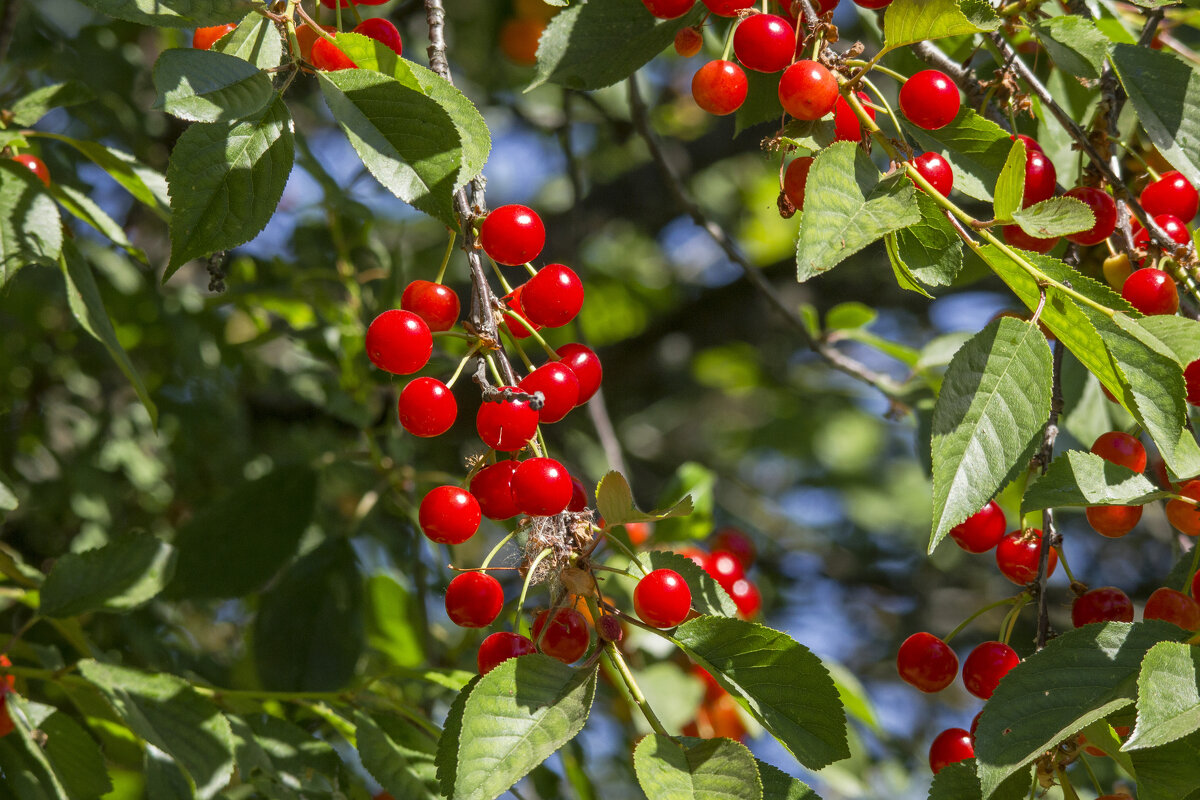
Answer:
x=1040 y=177
x=381 y=30
x=34 y=165
x=764 y=43
x=205 y=38
x=1171 y=194
x=579 y=498
x=1185 y=516
x=552 y=297
x=328 y=57
x=1104 y=209
x=986 y=665
x=807 y=90
x=1113 y=521
x=662 y=599
x=638 y=533
x=737 y=544
x=1191 y=379
x=512 y=235
x=926 y=662
x=514 y=301
x=492 y=487
x=746 y=597
x=728 y=8
x=449 y=515
x=541 y=487
x=399 y=342
x=1106 y=604
x=668 y=9
x=688 y=42
x=1016 y=237
x=720 y=87
x=500 y=647
x=951 y=746
x=1018 y=553
x=794 y=179
x=724 y=569
x=426 y=407
x=566 y=637
x=846 y=125
x=936 y=170
x=306 y=36
x=558 y=384
x=506 y=424
x=435 y=303
x=1173 y=606
x=929 y=99
x=474 y=599
x=1172 y=226
x=1117 y=447
x=1030 y=142
x=6 y=723
x=1196 y=587
x=1151 y=291
x=981 y=531
x=586 y=366
x=975 y=725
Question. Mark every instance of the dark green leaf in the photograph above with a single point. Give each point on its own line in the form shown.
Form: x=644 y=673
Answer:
x=707 y=595
x=86 y=209
x=1169 y=772
x=761 y=103
x=614 y=501
x=1168 y=702
x=905 y=278
x=959 y=782
x=397 y=755
x=147 y=185
x=976 y=148
x=256 y=40
x=174 y=13
x=713 y=769
x=23 y=763
x=447 y=749
x=1074 y=43
x=275 y=751
x=778 y=785
x=1078 y=479
x=75 y=757
x=32 y=107
x=165 y=780
x=695 y=484
x=1165 y=91
x=930 y=249
x=1057 y=216
x=1010 y=186
x=30 y=228
x=208 y=86
x=119 y=576
x=909 y=21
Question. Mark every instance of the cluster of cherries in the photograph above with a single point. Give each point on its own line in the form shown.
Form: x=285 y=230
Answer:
x=730 y=556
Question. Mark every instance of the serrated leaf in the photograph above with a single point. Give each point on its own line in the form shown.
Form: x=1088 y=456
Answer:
x=225 y=182
x=255 y=39
x=614 y=501
x=909 y=21
x=855 y=207
x=83 y=296
x=27 y=111
x=168 y=713
x=975 y=147
x=930 y=249
x=1168 y=699
x=713 y=769
x=989 y=417
x=75 y=757
x=235 y=545
x=174 y=13
x=1010 y=186
x=120 y=576
x=595 y=43
x=1080 y=677
x=779 y=681
x=1074 y=43
x=30 y=227
x=1076 y=479
x=1168 y=772
x=707 y=595
x=959 y=781
x=397 y=755
x=515 y=718
x=778 y=785
x=86 y=209
x=1178 y=334
x=1165 y=91
x=905 y=278
x=147 y=185
x=447 y=748
x=209 y=86
x=1057 y=216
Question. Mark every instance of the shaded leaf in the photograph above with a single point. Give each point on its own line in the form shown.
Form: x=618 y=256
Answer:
x=397 y=755
x=75 y=757
x=27 y=111
x=930 y=248
x=1169 y=772
x=173 y=13
x=1074 y=43
x=1165 y=91
x=86 y=209
x=209 y=86
x=119 y=576
x=778 y=785
x=30 y=227
x=712 y=769
x=960 y=782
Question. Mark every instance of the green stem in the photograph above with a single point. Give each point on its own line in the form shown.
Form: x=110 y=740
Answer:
x=525 y=587
x=446 y=257
x=496 y=376
x=1069 y=792
x=1187 y=582
x=1010 y=621
x=857 y=62
x=1083 y=759
x=530 y=268
x=635 y=691
x=289 y=22
x=497 y=549
x=461 y=364
x=962 y=625
x=886 y=106
x=621 y=546
x=1066 y=567
x=728 y=43
x=508 y=312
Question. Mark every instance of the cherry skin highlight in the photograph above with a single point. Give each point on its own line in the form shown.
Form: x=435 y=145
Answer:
x=566 y=637
x=926 y=662
x=492 y=487
x=474 y=600
x=951 y=746
x=552 y=297
x=981 y=531
x=506 y=424
x=1018 y=554
x=435 y=303
x=720 y=87
x=1106 y=604
x=34 y=165
x=986 y=665
x=1171 y=194
x=381 y=30
x=724 y=569
x=764 y=43
x=586 y=366
x=1151 y=291
x=426 y=407
x=399 y=342
x=512 y=235
x=449 y=515
x=558 y=384
x=746 y=597
x=500 y=647
x=662 y=599
x=936 y=170
x=541 y=487
x=807 y=90
x=930 y=100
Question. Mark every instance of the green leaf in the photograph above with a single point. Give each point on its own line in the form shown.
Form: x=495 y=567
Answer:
x=1080 y=677
x=393 y=623
x=1179 y=334
x=1103 y=737
x=614 y=501
x=75 y=757
x=855 y=207
x=989 y=418
x=166 y=712
x=30 y=228
x=447 y=749
x=909 y=21
x=255 y=39
x=283 y=755
x=1057 y=216
x=1168 y=772
x=959 y=781
x=83 y=296
x=778 y=785
x=596 y=43
x=208 y=86
x=779 y=681
x=84 y=208
x=713 y=769
x=695 y=484
x=1168 y=702
x=515 y=718
x=976 y=148
x=147 y=185
x=905 y=278
x=119 y=576
x=165 y=779
x=8 y=498
x=173 y=13
x=845 y=316
x=1010 y=186
x=226 y=181
x=675 y=695
x=930 y=248
x=397 y=755
x=1165 y=91
x=762 y=104
x=25 y=766
x=707 y=595
x=27 y=111
x=1074 y=43
x=235 y=545
x=1076 y=479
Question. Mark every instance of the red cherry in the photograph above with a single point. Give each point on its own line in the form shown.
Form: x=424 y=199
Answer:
x=506 y=424
x=929 y=99
x=846 y=125
x=951 y=746
x=329 y=57
x=688 y=42
x=1120 y=448
x=794 y=179
x=492 y=487
x=698 y=557
x=579 y=499
x=1185 y=516
x=35 y=165
x=306 y=36
x=926 y=662
x=558 y=384
x=724 y=569
x=449 y=515
x=986 y=665
x=6 y=723
x=381 y=30
x=586 y=366
x=1173 y=606
x=737 y=544
x=566 y=637
x=514 y=301
x=807 y=90
x=764 y=43
x=1151 y=291
x=205 y=38
x=512 y=235
x=936 y=170
x=1171 y=194
x=1018 y=553
x=746 y=597
x=1113 y=521
x=1106 y=604
x=1030 y=142
x=727 y=8
x=1016 y=237
x=662 y=599
x=399 y=342
x=638 y=533
x=435 y=303
x=981 y=531
x=500 y=647
x=474 y=599
x=1191 y=378
x=1196 y=587
x=975 y=725
x=720 y=87
x=426 y=407
x=1172 y=226
x=1040 y=177
x=1104 y=209
x=668 y=9
x=541 y=487
x=552 y=297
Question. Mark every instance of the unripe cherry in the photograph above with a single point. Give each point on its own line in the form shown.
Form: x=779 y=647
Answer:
x=688 y=42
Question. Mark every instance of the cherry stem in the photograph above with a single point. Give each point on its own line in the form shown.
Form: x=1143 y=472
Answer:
x=1066 y=567
x=531 y=269
x=289 y=24
x=474 y=349
x=1010 y=620
x=446 y=256
x=35 y=619
x=886 y=107
x=857 y=62
x=1069 y=792
x=491 y=362
x=1083 y=759
x=516 y=343
x=962 y=625
x=508 y=312
x=635 y=691
x=728 y=43
x=525 y=587
x=496 y=549
x=633 y=557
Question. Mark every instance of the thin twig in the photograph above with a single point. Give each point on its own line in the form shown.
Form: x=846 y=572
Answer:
x=1049 y=534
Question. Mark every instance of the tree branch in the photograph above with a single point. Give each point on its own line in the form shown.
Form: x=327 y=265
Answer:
x=1050 y=536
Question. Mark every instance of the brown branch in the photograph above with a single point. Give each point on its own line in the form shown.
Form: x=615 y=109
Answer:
x=1050 y=536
